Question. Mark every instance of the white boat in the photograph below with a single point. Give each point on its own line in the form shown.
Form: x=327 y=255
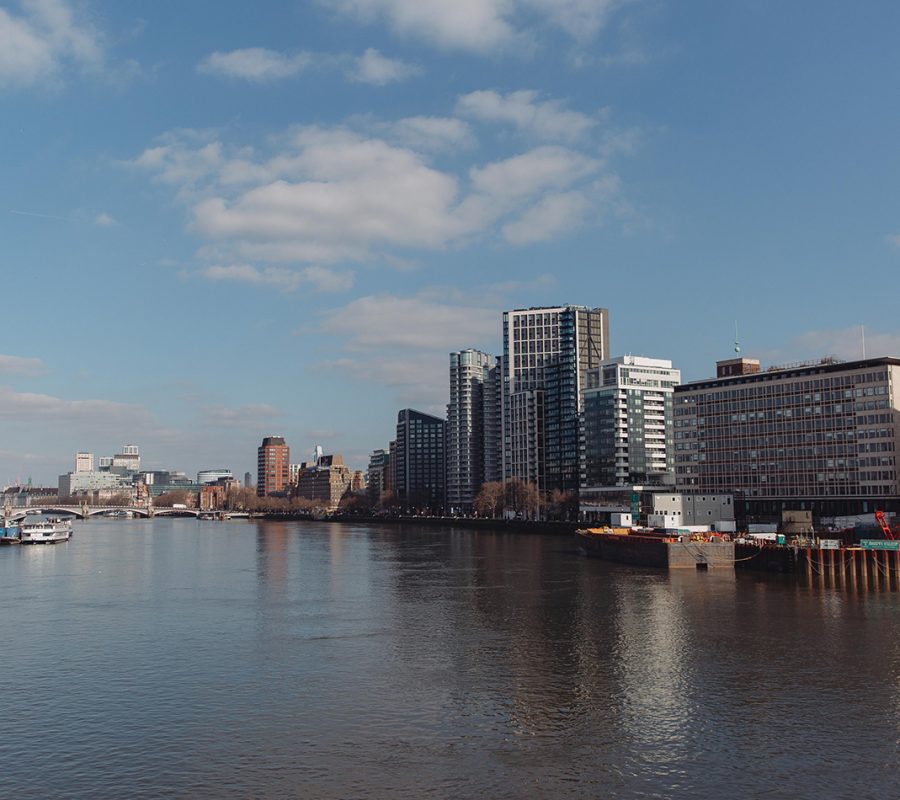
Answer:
x=46 y=531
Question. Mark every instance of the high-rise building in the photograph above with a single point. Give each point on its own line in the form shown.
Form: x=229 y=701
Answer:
x=248 y=480
x=419 y=460
x=378 y=481
x=492 y=420
x=820 y=437
x=469 y=369
x=546 y=355
x=273 y=467
x=628 y=432
x=84 y=462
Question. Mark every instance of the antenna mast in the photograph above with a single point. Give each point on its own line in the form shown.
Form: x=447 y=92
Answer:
x=737 y=343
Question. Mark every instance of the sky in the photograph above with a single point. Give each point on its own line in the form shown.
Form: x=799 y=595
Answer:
x=221 y=221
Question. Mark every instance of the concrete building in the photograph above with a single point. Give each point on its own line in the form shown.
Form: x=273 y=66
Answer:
x=819 y=436
x=655 y=507
x=326 y=481
x=546 y=355
x=419 y=461
x=80 y=483
x=469 y=369
x=206 y=476
x=294 y=473
x=273 y=467
x=84 y=462
x=628 y=431
x=377 y=476
x=128 y=461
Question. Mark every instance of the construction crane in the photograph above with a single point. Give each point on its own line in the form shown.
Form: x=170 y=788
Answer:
x=885 y=529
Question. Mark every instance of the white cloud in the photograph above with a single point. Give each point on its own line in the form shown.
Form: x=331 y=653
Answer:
x=553 y=215
x=256 y=64
x=389 y=321
x=317 y=196
x=325 y=280
x=481 y=25
x=105 y=220
x=17 y=365
x=47 y=409
x=372 y=67
x=430 y=133
x=523 y=109
x=44 y=39
x=527 y=174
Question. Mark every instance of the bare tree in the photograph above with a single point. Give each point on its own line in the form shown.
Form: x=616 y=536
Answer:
x=521 y=497
x=489 y=499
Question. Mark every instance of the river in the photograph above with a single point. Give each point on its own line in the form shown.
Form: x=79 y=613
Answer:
x=176 y=658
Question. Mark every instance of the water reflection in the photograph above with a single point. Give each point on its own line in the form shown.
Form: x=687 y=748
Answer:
x=279 y=659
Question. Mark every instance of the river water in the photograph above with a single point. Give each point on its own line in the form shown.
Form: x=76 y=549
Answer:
x=176 y=658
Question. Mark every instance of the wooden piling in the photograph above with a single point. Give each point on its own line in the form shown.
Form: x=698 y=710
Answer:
x=853 y=569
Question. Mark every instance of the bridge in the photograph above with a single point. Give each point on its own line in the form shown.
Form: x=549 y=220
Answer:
x=87 y=511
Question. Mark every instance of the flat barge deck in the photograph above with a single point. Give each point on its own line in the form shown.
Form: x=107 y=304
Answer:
x=649 y=550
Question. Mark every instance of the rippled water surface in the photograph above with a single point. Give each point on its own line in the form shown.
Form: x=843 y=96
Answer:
x=175 y=658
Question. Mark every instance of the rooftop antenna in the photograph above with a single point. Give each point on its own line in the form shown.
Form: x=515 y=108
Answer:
x=862 y=329
x=737 y=343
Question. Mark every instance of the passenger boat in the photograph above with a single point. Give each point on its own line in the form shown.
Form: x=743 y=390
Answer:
x=46 y=531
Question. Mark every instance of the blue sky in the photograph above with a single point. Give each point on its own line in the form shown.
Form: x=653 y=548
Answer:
x=226 y=220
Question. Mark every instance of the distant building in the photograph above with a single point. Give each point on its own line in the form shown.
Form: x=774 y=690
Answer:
x=214 y=475
x=419 y=461
x=358 y=482
x=469 y=369
x=84 y=462
x=128 y=461
x=248 y=480
x=628 y=432
x=273 y=460
x=80 y=483
x=28 y=496
x=378 y=480
x=212 y=497
x=294 y=473
x=546 y=354
x=819 y=436
x=326 y=481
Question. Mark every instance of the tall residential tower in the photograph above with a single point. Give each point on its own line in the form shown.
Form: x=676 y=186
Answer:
x=273 y=467
x=546 y=355
x=469 y=369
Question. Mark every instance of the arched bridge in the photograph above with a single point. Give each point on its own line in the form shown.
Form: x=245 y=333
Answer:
x=86 y=511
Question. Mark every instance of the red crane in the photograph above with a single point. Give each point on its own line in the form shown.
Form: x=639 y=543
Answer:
x=888 y=534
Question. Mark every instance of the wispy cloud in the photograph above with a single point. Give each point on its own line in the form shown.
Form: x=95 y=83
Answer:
x=379 y=70
x=17 y=365
x=524 y=109
x=255 y=64
x=481 y=25
x=45 y=38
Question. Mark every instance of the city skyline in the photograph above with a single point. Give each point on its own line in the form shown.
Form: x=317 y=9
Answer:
x=244 y=228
